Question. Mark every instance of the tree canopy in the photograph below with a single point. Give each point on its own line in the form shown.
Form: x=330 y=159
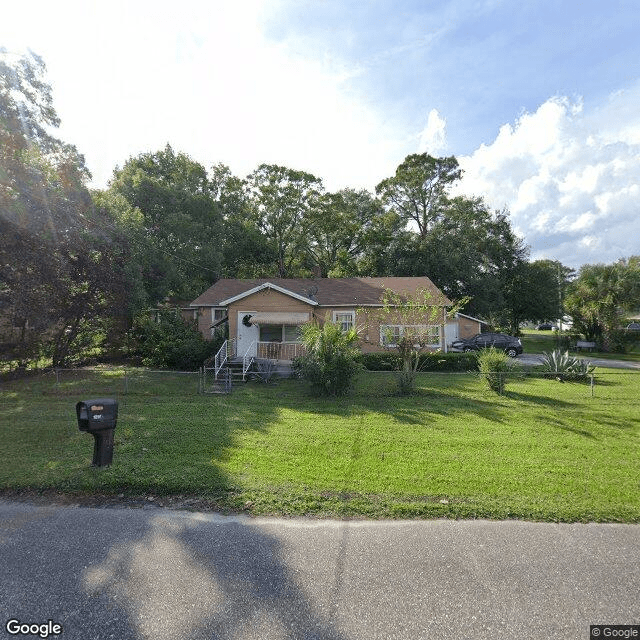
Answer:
x=60 y=264
x=282 y=199
x=75 y=263
x=178 y=232
x=418 y=190
x=600 y=297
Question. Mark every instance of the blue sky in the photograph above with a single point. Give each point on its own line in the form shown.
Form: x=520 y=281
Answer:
x=478 y=62
x=539 y=100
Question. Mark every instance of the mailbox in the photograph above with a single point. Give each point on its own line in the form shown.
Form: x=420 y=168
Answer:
x=99 y=417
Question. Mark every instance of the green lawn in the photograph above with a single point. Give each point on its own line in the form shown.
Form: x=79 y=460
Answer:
x=534 y=341
x=543 y=451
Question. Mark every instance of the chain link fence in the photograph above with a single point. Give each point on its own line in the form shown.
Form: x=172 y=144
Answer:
x=603 y=387
x=611 y=387
x=107 y=382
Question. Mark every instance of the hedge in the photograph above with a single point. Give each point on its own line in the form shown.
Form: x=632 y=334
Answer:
x=436 y=361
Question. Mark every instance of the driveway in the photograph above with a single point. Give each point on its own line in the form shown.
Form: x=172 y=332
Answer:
x=152 y=573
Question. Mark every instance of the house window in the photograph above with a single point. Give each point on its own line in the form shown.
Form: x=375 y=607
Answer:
x=291 y=333
x=218 y=314
x=346 y=319
x=270 y=333
x=279 y=333
x=390 y=334
x=426 y=335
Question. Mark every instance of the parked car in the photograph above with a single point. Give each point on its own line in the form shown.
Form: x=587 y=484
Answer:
x=633 y=326
x=545 y=326
x=510 y=345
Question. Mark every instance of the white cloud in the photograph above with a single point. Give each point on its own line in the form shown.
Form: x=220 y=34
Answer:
x=129 y=77
x=570 y=177
x=433 y=138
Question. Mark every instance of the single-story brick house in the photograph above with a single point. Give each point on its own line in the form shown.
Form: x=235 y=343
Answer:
x=264 y=314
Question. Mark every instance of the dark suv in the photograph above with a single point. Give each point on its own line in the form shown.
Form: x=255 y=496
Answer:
x=510 y=345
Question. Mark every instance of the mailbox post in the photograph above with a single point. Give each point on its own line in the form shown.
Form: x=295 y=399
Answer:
x=98 y=417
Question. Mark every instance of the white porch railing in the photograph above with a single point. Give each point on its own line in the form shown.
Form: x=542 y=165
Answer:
x=226 y=351
x=286 y=351
x=248 y=358
x=282 y=351
x=221 y=358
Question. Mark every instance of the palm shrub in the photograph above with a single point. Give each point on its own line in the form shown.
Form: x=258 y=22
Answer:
x=331 y=360
x=562 y=366
x=495 y=366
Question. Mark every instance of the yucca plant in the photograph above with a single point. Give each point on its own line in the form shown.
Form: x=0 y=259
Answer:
x=562 y=366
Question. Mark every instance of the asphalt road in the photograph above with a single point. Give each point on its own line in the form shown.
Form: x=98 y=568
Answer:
x=166 y=575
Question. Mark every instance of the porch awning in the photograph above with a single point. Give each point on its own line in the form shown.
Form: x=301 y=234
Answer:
x=279 y=317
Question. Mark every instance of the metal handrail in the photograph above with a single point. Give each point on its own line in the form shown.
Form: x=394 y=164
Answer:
x=221 y=358
x=247 y=360
x=227 y=380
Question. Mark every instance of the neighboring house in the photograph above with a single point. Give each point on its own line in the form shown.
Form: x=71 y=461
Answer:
x=264 y=315
x=462 y=326
x=187 y=313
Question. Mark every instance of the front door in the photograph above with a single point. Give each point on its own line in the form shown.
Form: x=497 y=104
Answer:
x=247 y=336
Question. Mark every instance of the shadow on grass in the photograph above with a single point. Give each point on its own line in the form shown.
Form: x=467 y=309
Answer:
x=571 y=428
x=537 y=399
x=414 y=409
x=579 y=432
x=179 y=444
x=164 y=443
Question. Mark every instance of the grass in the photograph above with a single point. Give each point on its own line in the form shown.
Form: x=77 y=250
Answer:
x=543 y=451
x=534 y=341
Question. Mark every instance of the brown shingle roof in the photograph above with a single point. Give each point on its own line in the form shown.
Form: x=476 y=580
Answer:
x=325 y=291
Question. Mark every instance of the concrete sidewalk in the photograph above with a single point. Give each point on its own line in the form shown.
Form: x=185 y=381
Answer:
x=159 y=574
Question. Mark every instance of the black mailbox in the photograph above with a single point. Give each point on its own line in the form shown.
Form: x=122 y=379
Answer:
x=99 y=417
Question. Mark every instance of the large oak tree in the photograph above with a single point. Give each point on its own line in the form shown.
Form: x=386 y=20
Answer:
x=418 y=190
x=178 y=233
x=61 y=281
x=283 y=199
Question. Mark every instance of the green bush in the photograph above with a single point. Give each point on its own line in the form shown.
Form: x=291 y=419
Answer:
x=567 y=339
x=563 y=366
x=331 y=362
x=431 y=361
x=172 y=343
x=496 y=366
x=380 y=361
x=622 y=340
x=437 y=361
